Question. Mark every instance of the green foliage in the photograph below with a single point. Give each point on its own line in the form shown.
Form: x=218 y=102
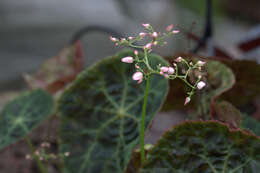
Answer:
x=251 y=124
x=21 y=115
x=101 y=114
x=204 y=146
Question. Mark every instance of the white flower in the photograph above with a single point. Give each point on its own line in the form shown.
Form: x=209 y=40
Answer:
x=201 y=85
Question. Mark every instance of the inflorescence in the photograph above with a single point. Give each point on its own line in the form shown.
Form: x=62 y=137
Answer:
x=169 y=72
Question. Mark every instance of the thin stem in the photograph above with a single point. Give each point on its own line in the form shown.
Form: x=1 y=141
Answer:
x=38 y=162
x=143 y=120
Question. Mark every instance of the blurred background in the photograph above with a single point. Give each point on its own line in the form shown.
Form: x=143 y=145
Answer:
x=34 y=30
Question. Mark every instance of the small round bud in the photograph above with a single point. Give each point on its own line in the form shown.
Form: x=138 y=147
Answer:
x=142 y=34
x=154 y=34
x=179 y=59
x=201 y=85
x=130 y=38
x=171 y=70
x=113 y=39
x=136 y=52
x=138 y=76
x=175 y=31
x=148 y=46
x=146 y=25
x=201 y=63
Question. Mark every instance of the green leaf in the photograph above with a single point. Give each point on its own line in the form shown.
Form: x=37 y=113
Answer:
x=204 y=147
x=21 y=115
x=251 y=124
x=101 y=114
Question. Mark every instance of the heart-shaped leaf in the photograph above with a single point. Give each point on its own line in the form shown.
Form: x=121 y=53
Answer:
x=21 y=115
x=101 y=114
x=204 y=146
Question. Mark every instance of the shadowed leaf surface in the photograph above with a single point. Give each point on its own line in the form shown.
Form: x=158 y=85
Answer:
x=21 y=115
x=251 y=124
x=204 y=147
x=101 y=114
x=226 y=112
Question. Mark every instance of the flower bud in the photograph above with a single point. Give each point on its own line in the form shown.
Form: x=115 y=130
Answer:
x=201 y=63
x=146 y=25
x=113 y=39
x=175 y=31
x=135 y=52
x=130 y=38
x=138 y=76
x=187 y=100
x=127 y=59
x=179 y=59
x=142 y=34
x=148 y=46
x=201 y=85
x=171 y=70
x=164 y=69
x=154 y=34
x=169 y=28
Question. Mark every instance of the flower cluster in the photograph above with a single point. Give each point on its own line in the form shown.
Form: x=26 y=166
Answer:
x=43 y=154
x=169 y=72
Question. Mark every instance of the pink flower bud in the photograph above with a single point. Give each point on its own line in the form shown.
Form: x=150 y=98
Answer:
x=175 y=31
x=164 y=69
x=142 y=34
x=154 y=34
x=130 y=38
x=127 y=59
x=171 y=70
x=137 y=66
x=148 y=46
x=201 y=85
x=161 y=73
x=136 y=52
x=201 y=63
x=138 y=76
x=146 y=25
x=169 y=28
x=113 y=39
x=179 y=59
x=187 y=100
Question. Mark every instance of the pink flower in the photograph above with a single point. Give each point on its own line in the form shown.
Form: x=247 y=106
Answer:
x=201 y=63
x=142 y=34
x=201 y=85
x=138 y=76
x=113 y=39
x=175 y=31
x=127 y=59
x=179 y=59
x=187 y=100
x=146 y=25
x=169 y=28
x=171 y=70
x=136 y=52
x=148 y=46
x=164 y=69
x=154 y=34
